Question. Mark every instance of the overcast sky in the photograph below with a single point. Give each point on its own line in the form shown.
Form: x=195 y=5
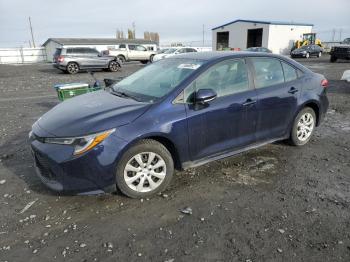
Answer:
x=178 y=20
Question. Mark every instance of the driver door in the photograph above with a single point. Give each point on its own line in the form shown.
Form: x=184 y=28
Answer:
x=229 y=121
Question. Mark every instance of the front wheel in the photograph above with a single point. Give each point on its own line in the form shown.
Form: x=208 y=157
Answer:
x=114 y=66
x=144 y=169
x=303 y=127
x=151 y=58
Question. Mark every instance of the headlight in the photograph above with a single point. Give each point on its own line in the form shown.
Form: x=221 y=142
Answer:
x=81 y=144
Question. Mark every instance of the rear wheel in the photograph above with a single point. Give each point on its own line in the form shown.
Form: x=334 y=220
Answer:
x=333 y=59
x=72 y=68
x=303 y=127
x=121 y=59
x=145 y=169
x=114 y=66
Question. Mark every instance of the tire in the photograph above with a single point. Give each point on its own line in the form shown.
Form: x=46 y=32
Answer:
x=72 y=68
x=303 y=127
x=129 y=167
x=333 y=59
x=121 y=59
x=307 y=56
x=151 y=58
x=114 y=66
x=144 y=62
x=319 y=54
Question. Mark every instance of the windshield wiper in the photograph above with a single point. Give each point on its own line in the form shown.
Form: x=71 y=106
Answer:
x=123 y=94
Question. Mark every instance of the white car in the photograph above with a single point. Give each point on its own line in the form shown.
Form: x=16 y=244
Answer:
x=174 y=51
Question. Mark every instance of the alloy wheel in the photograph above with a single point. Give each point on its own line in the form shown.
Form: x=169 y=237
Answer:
x=145 y=172
x=72 y=68
x=305 y=126
x=113 y=66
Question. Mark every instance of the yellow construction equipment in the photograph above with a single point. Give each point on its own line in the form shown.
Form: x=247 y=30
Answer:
x=308 y=39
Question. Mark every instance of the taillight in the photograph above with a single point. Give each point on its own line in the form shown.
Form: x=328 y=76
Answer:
x=60 y=59
x=324 y=83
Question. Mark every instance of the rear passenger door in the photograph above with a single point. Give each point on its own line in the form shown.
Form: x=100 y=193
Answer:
x=277 y=89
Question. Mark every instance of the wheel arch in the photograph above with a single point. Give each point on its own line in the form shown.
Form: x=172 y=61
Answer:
x=165 y=141
x=315 y=106
x=120 y=55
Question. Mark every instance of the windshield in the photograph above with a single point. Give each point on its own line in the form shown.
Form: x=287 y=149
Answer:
x=170 y=51
x=156 y=80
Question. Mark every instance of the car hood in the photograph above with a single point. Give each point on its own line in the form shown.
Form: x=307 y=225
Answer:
x=89 y=113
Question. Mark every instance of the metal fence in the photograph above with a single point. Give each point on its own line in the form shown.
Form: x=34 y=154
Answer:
x=22 y=55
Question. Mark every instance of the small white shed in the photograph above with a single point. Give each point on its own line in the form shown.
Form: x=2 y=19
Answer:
x=99 y=43
x=279 y=37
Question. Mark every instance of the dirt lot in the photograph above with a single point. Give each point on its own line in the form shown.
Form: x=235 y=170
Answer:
x=276 y=203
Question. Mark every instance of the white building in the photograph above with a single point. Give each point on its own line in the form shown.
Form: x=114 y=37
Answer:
x=279 y=37
x=99 y=43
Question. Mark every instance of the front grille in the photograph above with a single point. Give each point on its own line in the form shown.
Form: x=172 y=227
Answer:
x=43 y=165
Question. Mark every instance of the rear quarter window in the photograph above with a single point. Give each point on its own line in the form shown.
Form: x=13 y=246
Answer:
x=290 y=73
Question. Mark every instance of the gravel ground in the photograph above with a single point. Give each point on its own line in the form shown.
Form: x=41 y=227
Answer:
x=275 y=203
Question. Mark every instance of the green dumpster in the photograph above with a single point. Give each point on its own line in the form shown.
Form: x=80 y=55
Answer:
x=65 y=91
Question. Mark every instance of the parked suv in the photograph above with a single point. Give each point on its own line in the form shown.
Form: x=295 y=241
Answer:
x=74 y=59
x=341 y=51
x=179 y=112
x=132 y=52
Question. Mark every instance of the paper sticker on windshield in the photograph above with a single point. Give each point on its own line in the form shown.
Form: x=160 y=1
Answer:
x=189 y=66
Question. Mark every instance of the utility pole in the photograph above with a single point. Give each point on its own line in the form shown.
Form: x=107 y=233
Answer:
x=333 y=35
x=340 y=32
x=31 y=31
x=203 y=35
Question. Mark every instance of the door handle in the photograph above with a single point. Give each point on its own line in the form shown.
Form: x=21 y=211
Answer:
x=293 y=90
x=249 y=102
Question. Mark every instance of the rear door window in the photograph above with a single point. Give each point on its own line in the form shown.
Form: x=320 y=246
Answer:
x=290 y=73
x=268 y=72
x=132 y=47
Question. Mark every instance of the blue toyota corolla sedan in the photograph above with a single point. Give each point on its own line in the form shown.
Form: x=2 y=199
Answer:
x=177 y=113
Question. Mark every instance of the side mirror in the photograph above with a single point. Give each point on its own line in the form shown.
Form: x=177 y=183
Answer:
x=204 y=96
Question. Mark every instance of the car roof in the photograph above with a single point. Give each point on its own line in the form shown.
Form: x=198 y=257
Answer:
x=214 y=55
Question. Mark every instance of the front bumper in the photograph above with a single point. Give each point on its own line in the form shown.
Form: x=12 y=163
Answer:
x=91 y=172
